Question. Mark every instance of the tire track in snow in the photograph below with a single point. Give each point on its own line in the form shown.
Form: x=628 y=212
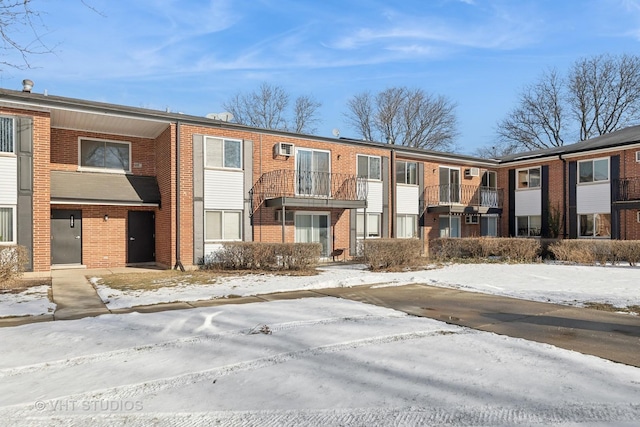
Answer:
x=459 y=416
x=181 y=342
x=130 y=391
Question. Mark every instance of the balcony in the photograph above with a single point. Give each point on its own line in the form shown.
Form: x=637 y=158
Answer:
x=627 y=190
x=463 y=198
x=309 y=190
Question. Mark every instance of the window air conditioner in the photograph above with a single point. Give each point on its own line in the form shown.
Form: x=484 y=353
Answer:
x=471 y=219
x=472 y=172
x=285 y=149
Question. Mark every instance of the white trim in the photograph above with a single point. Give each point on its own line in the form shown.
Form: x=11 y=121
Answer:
x=368 y=156
x=362 y=237
x=608 y=159
x=223 y=139
x=99 y=169
x=405 y=172
x=223 y=211
x=14 y=220
x=99 y=203
x=527 y=188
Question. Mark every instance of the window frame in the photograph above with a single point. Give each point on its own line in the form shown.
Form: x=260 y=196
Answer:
x=593 y=230
x=403 y=235
x=406 y=172
x=222 y=141
x=528 y=226
x=14 y=228
x=223 y=213
x=360 y=220
x=98 y=168
x=369 y=157
x=13 y=137
x=593 y=167
x=528 y=186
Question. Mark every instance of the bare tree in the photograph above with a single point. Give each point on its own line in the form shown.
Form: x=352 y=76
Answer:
x=15 y=17
x=403 y=116
x=599 y=95
x=605 y=93
x=537 y=121
x=266 y=107
x=360 y=114
x=304 y=114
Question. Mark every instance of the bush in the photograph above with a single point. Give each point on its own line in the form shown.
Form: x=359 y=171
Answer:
x=12 y=262
x=391 y=253
x=512 y=249
x=265 y=256
x=597 y=251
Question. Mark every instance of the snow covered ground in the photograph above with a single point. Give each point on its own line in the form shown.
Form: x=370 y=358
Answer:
x=32 y=301
x=320 y=361
x=317 y=362
x=562 y=284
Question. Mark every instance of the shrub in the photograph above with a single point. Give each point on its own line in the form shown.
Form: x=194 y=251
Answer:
x=513 y=249
x=597 y=251
x=12 y=262
x=265 y=256
x=391 y=253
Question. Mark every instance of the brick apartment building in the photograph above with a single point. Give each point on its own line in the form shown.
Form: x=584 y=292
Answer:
x=98 y=185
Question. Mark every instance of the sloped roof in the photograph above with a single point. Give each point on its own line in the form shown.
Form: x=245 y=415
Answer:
x=103 y=188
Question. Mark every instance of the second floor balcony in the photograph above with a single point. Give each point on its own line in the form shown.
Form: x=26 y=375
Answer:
x=463 y=198
x=627 y=190
x=309 y=189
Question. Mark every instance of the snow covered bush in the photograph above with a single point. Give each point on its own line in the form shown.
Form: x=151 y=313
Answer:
x=12 y=262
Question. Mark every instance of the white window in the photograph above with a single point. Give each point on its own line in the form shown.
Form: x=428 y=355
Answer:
x=222 y=225
x=489 y=226
x=528 y=178
x=223 y=153
x=407 y=226
x=406 y=173
x=110 y=155
x=7 y=225
x=595 y=225
x=373 y=225
x=369 y=167
x=7 y=135
x=450 y=226
x=528 y=226
x=593 y=170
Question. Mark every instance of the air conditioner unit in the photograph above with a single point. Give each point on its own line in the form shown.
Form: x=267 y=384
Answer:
x=472 y=172
x=285 y=149
x=472 y=219
x=638 y=156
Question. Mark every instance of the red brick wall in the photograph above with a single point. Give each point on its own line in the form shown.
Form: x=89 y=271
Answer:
x=166 y=216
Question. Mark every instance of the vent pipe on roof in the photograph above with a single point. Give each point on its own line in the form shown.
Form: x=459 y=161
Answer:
x=27 y=85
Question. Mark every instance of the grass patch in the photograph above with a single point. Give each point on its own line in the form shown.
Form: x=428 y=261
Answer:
x=19 y=285
x=171 y=278
x=632 y=309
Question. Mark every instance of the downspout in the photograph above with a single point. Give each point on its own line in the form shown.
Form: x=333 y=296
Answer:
x=178 y=261
x=564 y=196
x=392 y=194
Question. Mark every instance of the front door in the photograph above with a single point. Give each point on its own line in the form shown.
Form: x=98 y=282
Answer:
x=312 y=228
x=141 y=237
x=66 y=236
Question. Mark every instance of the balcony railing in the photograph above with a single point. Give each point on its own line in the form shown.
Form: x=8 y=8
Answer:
x=463 y=194
x=627 y=189
x=321 y=185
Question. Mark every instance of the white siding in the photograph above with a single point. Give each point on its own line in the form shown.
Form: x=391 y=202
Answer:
x=223 y=189
x=528 y=202
x=594 y=198
x=407 y=199
x=374 y=197
x=210 y=251
x=8 y=180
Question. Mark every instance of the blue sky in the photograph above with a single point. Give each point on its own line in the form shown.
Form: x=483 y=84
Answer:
x=193 y=55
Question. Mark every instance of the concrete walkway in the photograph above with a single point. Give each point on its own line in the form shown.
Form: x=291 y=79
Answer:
x=607 y=335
